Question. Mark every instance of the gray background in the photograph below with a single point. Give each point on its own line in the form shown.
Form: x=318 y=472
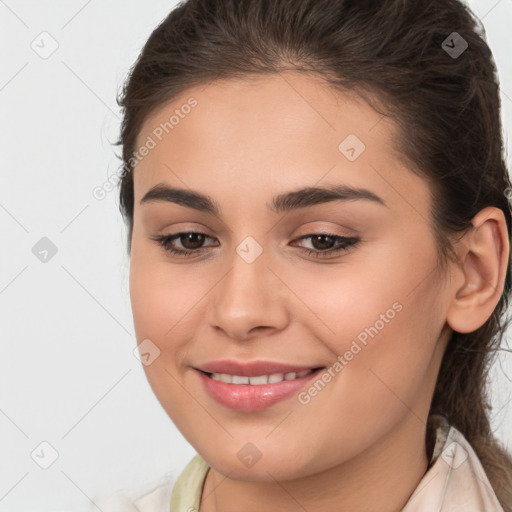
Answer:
x=68 y=373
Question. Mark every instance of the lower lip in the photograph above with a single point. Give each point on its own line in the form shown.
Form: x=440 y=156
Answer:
x=248 y=397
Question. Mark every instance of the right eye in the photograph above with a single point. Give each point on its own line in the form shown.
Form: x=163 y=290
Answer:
x=192 y=242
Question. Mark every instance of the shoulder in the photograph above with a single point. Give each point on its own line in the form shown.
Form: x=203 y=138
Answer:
x=152 y=496
x=171 y=490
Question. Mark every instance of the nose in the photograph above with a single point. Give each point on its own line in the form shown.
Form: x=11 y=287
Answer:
x=249 y=300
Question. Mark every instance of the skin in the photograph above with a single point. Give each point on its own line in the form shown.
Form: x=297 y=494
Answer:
x=360 y=443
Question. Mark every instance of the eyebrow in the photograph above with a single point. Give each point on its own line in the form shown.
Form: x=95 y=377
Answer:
x=281 y=203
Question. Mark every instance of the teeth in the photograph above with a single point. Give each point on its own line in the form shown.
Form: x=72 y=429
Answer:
x=236 y=379
x=260 y=379
x=224 y=377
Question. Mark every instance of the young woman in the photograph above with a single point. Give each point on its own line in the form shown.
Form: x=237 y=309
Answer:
x=319 y=232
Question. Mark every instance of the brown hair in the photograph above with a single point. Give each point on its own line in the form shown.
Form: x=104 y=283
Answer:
x=391 y=52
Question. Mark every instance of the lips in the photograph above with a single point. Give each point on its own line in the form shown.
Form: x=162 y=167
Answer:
x=249 y=397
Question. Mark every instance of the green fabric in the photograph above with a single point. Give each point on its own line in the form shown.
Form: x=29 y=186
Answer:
x=186 y=493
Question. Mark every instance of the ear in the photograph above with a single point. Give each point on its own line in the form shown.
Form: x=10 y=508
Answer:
x=480 y=274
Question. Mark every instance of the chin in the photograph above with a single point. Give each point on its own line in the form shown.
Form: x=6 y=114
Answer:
x=244 y=464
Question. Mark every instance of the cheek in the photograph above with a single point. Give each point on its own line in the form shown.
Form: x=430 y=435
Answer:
x=163 y=312
x=390 y=370
x=383 y=317
x=362 y=297
x=167 y=303
x=165 y=299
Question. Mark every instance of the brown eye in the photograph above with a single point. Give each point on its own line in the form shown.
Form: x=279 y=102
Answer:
x=322 y=242
x=191 y=240
x=325 y=244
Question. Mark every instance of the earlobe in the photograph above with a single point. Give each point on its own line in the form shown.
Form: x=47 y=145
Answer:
x=484 y=255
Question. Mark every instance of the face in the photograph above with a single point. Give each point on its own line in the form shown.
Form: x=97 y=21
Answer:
x=341 y=281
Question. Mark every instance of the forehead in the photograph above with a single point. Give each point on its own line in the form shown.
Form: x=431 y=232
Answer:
x=286 y=129
x=286 y=103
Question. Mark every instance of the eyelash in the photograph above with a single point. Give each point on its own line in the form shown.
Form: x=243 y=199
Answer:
x=346 y=242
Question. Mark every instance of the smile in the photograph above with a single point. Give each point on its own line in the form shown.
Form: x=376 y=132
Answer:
x=257 y=392
x=259 y=379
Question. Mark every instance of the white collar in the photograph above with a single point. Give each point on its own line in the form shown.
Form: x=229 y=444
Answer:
x=455 y=479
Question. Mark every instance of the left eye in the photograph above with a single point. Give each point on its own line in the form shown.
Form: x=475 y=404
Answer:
x=193 y=241
x=323 y=239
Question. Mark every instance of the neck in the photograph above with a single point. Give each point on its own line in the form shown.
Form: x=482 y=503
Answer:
x=381 y=478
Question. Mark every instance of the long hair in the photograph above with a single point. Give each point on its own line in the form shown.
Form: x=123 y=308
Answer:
x=425 y=64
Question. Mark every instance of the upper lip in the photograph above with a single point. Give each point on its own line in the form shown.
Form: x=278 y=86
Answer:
x=252 y=369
